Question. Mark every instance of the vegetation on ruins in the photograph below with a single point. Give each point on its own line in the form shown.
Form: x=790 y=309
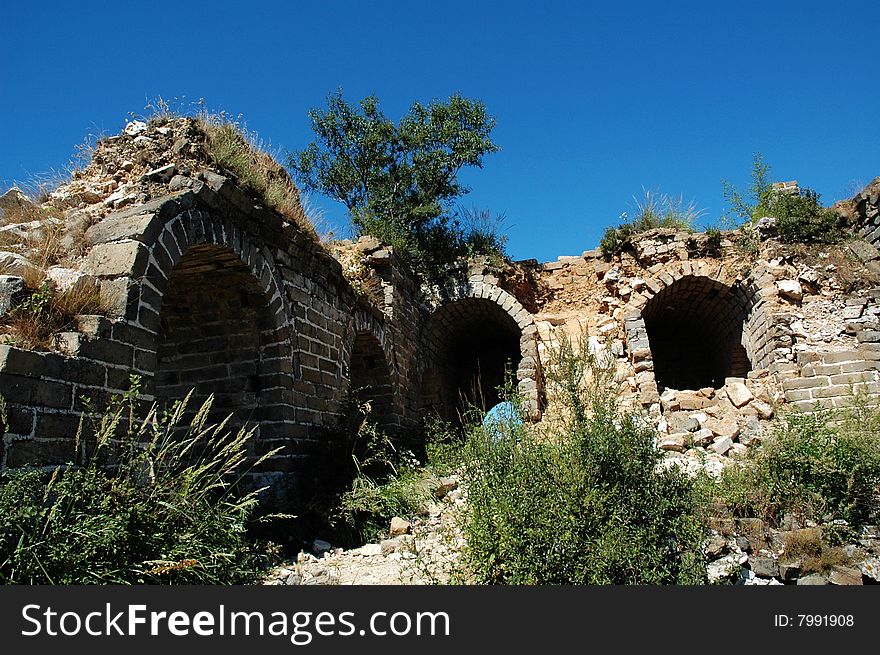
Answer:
x=653 y=210
x=233 y=147
x=799 y=216
x=151 y=500
x=399 y=181
x=586 y=504
x=45 y=311
x=821 y=467
x=368 y=478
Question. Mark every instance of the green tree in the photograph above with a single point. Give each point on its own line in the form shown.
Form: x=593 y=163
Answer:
x=747 y=207
x=398 y=181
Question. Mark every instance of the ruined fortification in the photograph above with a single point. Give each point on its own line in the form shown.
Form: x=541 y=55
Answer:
x=204 y=286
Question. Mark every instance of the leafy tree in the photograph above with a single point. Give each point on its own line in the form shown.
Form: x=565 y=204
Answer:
x=398 y=181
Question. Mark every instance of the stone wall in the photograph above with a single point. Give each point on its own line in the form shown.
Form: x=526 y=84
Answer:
x=711 y=340
x=210 y=292
x=863 y=210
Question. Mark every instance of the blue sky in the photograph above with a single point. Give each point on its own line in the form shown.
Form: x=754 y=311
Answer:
x=593 y=101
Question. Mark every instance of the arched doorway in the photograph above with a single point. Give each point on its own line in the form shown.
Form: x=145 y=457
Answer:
x=219 y=336
x=370 y=380
x=472 y=346
x=695 y=330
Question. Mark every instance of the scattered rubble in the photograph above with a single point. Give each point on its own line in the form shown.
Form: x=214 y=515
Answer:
x=423 y=550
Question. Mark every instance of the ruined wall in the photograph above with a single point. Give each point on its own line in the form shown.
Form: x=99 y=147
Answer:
x=208 y=290
x=712 y=336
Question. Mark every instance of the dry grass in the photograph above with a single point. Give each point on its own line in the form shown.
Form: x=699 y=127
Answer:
x=814 y=553
x=238 y=151
x=42 y=246
x=25 y=213
x=45 y=312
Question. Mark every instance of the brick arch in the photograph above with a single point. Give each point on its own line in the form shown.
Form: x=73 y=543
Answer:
x=371 y=369
x=214 y=315
x=199 y=228
x=469 y=332
x=692 y=326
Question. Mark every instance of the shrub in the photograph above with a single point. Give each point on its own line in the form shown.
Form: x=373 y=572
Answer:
x=379 y=478
x=801 y=219
x=166 y=511
x=819 y=466
x=366 y=508
x=587 y=505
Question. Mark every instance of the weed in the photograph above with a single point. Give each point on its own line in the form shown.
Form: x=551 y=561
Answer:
x=586 y=505
x=482 y=233
x=167 y=511
x=819 y=466
x=33 y=323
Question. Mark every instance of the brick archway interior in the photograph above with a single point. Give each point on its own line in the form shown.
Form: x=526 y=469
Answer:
x=471 y=345
x=695 y=331
x=370 y=379
x=218 y=336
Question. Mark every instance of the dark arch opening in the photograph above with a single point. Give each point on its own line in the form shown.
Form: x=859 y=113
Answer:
x=371 y=379
x=471 y=346
x=695 y=330
x=218 y=336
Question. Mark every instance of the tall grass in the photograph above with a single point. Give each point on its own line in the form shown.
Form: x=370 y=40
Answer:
x=653 y=210
x=149 y=500
x=234 y=148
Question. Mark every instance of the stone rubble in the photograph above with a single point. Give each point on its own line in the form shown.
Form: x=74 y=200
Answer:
x=425 y=551
x=747 y=552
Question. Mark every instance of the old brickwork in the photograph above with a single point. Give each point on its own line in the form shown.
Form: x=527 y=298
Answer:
x=210 y=291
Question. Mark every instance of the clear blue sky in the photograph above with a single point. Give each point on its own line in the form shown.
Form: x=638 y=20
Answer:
x=592 y=103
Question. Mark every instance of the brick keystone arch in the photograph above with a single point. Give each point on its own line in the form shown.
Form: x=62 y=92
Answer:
x=694 y=324
x=471 y=322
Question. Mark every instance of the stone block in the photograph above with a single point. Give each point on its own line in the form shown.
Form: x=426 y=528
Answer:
x=702 y=437
x=738 y=393
x=16 y=361
x=40 y=452
x=721 y=445
x=12 y=292
x=675 y=442
x=120 y=258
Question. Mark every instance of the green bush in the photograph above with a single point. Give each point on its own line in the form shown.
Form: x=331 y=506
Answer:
x=819 y=466
x=366 y=508
x=585 y=506
x=801 y=219
x=166 y=512
x=384 y=479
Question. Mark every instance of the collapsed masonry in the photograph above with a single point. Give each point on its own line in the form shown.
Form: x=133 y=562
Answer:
x=207 y=288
